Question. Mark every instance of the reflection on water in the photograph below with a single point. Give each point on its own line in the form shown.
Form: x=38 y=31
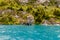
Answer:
x=4 y=37
x=34 y=32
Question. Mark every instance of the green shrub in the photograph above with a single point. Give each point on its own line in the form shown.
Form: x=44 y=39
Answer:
x=39 y=12
x=57 y=12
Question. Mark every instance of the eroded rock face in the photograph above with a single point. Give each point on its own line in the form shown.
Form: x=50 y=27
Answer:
x=46 y=22
x=22 y=21
x=30 y=19
x=42 y=1
x=7 y=11
x=23 y=1
x=52 y=20
x=23 y=12
x=1 y=11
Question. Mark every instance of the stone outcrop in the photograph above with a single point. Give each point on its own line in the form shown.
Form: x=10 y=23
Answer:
x=30 y=19
x=23 y=1
x=57 y=3
x=46 y=22
x=42 y=1
x=51 y=21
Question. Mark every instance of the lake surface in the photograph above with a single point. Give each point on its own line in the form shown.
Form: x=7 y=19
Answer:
x=34 y=32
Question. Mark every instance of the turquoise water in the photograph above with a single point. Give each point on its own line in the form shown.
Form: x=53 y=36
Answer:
x=34 y=32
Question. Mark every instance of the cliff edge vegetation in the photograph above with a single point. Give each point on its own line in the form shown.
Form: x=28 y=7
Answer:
x=29 y=12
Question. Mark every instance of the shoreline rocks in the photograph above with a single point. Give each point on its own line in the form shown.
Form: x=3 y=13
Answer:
x=30 y=20
x=52 y=21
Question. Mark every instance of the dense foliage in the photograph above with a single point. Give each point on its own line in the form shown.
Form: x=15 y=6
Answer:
x=9 y=9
